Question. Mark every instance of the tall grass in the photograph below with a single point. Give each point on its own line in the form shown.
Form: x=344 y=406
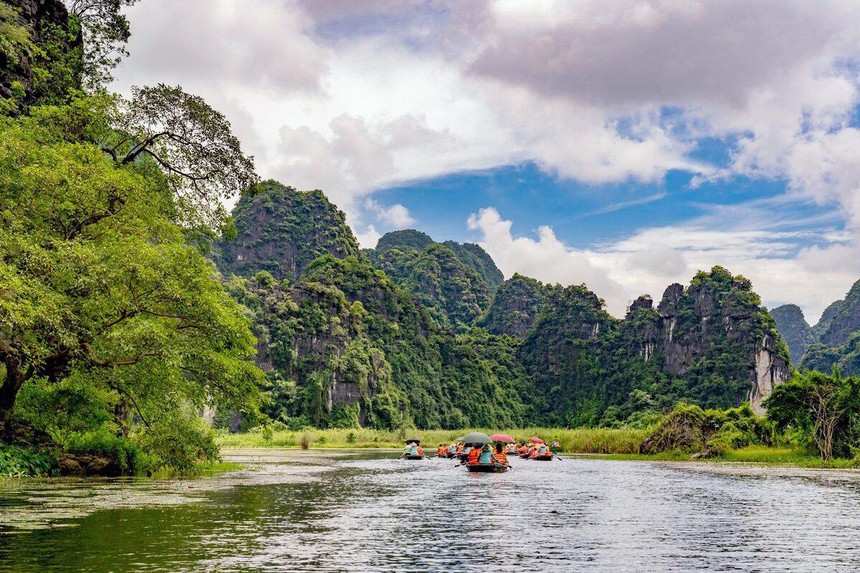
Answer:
x=583 y=440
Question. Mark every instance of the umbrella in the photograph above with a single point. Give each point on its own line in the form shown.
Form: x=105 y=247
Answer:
x=502 y=438
x=536 y=440
x=460 y=439
x=476 y=438
x=416 y=440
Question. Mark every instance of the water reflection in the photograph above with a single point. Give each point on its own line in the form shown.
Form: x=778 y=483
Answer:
x=389 y=515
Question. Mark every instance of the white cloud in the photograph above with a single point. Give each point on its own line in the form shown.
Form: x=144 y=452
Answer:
x=395 y=215
x=354 y=97
x=651 y=259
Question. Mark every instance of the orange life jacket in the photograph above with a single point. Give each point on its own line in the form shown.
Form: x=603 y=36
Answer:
x=501 y=457
x=524 y=450
x=474 y=456
x=459 y=448
x=420 y=451
x=442 y=451
x=532 y=451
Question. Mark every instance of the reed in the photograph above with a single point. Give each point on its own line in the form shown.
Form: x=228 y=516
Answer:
x=581 y=440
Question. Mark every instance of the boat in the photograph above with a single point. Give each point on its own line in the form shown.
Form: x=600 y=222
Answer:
x=543 y=458
x=412 y=457
x=487 y=468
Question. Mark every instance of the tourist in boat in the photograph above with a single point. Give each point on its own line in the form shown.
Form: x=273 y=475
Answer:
x=542 y=451
x=500 y=457
x=473 y=455
x=459 y=450
x=442 y=451
x=524 y=449
x=530 y=453
x=485 y=455
x=511 y=449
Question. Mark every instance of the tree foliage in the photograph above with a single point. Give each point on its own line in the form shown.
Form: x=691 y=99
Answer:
x=97 y=281
x=202 y=160
x=106 y=32
x=824 y=408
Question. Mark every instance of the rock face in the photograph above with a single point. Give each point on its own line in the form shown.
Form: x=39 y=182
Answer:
x=794 y=329
x=718 y=324
x=516 y=306
x=843 y=318
x=37 y=36
x=448 y=279
x=282 y=231
x=711 y=343
x=834 y=341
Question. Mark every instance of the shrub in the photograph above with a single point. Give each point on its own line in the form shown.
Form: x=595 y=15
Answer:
x=305 y=441
x=24 y=462
x=124 y=455
x=178 y=442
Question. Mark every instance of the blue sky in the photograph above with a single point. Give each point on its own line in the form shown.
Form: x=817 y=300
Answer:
x=625 y=145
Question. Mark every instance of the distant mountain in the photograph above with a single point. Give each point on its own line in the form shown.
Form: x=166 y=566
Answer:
x=843 y=318
x=447 y=278
x=711 y=343
x=409 y=333
x=281 y=230
x=835 y=340
x=516 y=306
x=794 y=329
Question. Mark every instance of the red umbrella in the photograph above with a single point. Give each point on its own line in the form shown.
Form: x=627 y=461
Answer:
x=502 y=438
x=535 y=440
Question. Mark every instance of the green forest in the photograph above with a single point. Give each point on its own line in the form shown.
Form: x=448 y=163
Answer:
x=138 y=316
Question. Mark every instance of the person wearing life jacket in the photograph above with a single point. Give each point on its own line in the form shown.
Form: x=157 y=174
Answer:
x=511 y=449
x=531 y=451
x=442 y=451
x=452 y=450
x=419 y=451
x=473 y=456
x=485 y=455
x=500 y=457
x=459 y=448
x=541 y=451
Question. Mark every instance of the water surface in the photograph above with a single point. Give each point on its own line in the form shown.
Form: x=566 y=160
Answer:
x=372 y=512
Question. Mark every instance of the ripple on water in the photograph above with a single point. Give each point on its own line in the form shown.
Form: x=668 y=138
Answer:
x=383 y=514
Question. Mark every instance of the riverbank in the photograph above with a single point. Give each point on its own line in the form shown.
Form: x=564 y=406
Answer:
x=758 y=455
x=583 y=440
x=599 y=443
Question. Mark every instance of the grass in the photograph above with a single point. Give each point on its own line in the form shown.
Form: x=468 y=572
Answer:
x=613 y=444
x=597 y=440
x=200 y=469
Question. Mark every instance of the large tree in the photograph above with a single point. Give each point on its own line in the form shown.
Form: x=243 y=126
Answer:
x=826 y=408
x=96 y=276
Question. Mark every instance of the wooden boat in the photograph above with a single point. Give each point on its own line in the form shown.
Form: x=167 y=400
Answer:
x=411 y=457
x=487 y=468
x=544 y=458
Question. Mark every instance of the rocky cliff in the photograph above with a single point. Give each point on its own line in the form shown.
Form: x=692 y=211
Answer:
x=794 y=329
x=41 y=52
x=516 y=306
x=448 y=279
x=281 y=230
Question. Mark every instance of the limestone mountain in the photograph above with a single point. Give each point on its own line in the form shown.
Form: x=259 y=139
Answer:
x=794 y=329
x=409 y=334
x=516 y=306
x=843 y=319
x=711 y=343
x=835 y=340
x=41 y=53
x=449 y=284
x=281 y=230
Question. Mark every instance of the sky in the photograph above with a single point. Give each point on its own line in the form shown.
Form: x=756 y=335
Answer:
x=623 y=145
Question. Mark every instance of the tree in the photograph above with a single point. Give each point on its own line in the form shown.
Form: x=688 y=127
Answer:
x=191 y=142
x=96 y=279
x=819 y=405
x=105 y=33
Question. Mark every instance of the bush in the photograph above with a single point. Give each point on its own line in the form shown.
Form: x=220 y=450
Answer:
x=24 y=462
x=178 y=443
x=125 y=456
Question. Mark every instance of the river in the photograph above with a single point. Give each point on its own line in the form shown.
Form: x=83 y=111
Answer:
x=372 y=512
